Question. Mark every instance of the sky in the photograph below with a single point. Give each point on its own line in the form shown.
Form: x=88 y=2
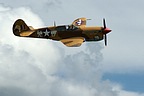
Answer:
x=36 y=67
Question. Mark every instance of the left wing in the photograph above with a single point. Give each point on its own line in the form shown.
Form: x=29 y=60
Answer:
x=73 y=42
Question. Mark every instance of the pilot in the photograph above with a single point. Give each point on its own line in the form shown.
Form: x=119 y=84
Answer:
x=67 y=27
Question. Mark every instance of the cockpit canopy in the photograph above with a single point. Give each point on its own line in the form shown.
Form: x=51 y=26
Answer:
x=66 y=28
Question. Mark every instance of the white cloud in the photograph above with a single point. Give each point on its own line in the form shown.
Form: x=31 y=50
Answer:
x=121 y=92
x=125 y=93
x=42 y=7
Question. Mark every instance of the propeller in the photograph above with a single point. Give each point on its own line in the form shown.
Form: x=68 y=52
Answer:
x=105 y=36
x=105 y=31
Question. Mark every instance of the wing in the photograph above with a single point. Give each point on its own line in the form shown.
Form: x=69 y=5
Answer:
x=80 y=22
x=73 y=42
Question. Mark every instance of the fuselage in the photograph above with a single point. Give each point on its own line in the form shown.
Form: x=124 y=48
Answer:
x=66 y=31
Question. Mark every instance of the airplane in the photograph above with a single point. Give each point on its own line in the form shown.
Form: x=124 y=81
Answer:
x=72 y=35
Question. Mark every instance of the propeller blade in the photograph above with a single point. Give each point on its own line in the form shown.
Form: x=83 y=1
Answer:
x=104 y=23
x=105 y=40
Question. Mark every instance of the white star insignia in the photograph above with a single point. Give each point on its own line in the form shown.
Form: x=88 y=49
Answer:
x=46 y=32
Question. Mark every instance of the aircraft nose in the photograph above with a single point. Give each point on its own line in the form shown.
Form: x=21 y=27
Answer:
x=107 y=30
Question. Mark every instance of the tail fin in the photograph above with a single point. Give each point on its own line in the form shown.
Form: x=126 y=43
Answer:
x=80 y=22
x=20 y=26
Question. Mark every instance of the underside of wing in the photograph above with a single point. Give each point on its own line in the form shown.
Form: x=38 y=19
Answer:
x=73 y=42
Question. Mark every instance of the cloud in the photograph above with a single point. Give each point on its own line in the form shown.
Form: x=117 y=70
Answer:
x=121 y=92
x=33 y=67
x=42 y=7
x=24 y=64
x=125 y=93
x=32 y=3
x=13 y=91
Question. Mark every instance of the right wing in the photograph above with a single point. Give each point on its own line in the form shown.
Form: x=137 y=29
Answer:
x=73 y=42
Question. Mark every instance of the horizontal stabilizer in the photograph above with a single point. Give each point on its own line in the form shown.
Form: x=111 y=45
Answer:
x=31 y=28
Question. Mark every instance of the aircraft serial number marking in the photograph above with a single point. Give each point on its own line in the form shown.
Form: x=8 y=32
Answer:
x=53 y=33
x=46 y=33
x=39 y=33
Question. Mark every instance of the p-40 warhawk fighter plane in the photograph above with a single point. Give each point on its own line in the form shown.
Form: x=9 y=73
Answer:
x=70 y=35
